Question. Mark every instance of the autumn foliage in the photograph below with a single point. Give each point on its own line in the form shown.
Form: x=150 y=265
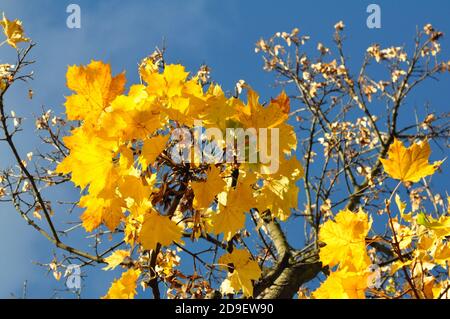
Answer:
x=116 y=144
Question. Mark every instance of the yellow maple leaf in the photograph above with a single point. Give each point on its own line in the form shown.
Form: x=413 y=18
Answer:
x=158 y=229
x=343 y=285
x=125 y=287
x=175 y=75
x=440 y=227
x=280 y=192
x=274 y=116
x=425 y=242
x=169 y=83
x=179 y=96
x=95 y=88
x=116 y=258
x=255 y=115
x=13 y=31
x=244 y=270
x=442 y=254
x=218 y=111
x=90 y=161
x=135 y=190
x=228 y=220
x=133 y=225
x=151 y=150
x=205 y=192
x=345 y=240
x=409 y=164
x=179 y=109
x=100 y=210
x=133 y=116
x=232 y=206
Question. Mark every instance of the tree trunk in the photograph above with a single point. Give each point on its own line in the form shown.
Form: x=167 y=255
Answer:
x=292 y=269
x=286 y=285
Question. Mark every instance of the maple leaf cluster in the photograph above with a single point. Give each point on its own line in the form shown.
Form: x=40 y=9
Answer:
x=120 y=156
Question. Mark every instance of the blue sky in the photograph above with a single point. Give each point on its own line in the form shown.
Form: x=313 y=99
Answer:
x=219 y=33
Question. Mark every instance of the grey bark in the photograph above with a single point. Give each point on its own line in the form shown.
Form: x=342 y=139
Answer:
x=292 y=269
